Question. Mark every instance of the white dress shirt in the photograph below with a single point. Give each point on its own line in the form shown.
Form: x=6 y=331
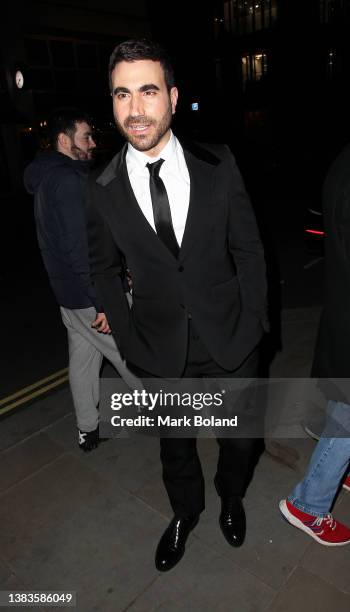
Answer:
x=175 y=176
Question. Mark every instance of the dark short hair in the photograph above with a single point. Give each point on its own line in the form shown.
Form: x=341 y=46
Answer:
x=64 y=120
x=142 y=49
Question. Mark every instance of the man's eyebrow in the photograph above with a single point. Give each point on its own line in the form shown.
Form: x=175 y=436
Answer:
x=149 y=86
x=121 y=90
x=143 y=88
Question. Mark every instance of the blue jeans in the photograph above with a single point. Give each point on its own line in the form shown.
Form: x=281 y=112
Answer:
x=328 y=465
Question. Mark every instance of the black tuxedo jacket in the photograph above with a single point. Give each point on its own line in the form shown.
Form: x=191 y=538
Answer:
x=218 y=278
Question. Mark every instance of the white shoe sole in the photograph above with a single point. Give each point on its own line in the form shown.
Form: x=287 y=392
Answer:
x=311 y=433
x=300 y=525
x=346 y=487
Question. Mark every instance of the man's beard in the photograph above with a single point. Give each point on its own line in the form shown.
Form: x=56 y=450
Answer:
x=79 y=154
x=145 y=142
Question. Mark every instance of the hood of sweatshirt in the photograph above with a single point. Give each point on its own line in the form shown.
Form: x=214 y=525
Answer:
x=47 y=161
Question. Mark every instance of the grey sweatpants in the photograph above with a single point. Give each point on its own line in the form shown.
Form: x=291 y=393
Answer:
x=87 y=347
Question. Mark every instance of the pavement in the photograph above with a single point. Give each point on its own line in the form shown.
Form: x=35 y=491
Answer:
x=90 y=522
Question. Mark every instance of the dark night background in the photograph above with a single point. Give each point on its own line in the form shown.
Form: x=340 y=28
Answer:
x=270 y=78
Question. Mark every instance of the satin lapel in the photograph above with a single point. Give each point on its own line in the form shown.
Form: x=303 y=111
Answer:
x=113 y=169
x=200 y=201
x=122 y=204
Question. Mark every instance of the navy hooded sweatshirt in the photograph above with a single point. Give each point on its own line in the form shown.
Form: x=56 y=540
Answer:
x=59 y=185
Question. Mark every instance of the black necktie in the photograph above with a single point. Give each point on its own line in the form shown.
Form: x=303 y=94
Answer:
x=161 y=208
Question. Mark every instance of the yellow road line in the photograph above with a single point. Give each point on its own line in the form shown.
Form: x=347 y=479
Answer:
x=29 y=388
x=36 y=393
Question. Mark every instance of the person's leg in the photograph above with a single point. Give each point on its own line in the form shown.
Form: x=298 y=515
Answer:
x=182 y=475
x=238 y=455
x=329 y=462
x=104 y=343
x=308 y=506
x=237 y=458
x=84 y=367
x=314 y=429
x=315 y=493
x=182 y=472
x=184 y=483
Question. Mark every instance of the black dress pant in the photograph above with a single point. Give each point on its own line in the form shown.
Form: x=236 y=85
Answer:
x=182 y=472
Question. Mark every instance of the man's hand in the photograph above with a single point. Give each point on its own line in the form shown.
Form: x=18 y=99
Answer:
x=129 y=279
x=101 y=324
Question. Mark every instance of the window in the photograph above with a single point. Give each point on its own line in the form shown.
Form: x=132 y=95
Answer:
x=105 y=53
x=5 y=181
x=254 y=67
x=65 y=80
x=37 y=51
x=66 y=65
x=2 y=76
x=40 y=79
x=91 y=79
x=87 y=55
x=62 y=54
x=245 y=16
x=332 y=9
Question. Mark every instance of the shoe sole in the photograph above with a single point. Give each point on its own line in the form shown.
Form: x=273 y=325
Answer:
x=292 y=520
x=346 y=487
x=311 y=433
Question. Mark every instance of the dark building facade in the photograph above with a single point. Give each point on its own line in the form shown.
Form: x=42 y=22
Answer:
x=187 y=29
x=284 y=72
x=267 y=76
x=56 y=54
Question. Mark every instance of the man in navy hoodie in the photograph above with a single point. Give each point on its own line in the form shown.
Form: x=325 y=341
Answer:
x=58 y=180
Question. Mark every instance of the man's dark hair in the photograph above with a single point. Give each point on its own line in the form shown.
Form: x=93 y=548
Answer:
x=64 y=120
x=142 y=49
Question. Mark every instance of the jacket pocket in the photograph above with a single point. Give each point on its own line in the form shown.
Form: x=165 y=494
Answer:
x=224 y=290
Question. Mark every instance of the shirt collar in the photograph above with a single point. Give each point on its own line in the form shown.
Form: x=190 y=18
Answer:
x=141 y=159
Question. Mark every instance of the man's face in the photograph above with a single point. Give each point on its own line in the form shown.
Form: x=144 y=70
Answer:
x=82 y=143
x=142 y=105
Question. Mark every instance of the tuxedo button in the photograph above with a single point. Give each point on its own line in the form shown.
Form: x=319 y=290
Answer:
x=181 y=268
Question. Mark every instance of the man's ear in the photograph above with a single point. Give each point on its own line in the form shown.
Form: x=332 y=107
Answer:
x=63 y=141
x=174 y=94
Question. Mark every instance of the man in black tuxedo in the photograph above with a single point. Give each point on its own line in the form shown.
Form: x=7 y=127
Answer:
x=180 y=218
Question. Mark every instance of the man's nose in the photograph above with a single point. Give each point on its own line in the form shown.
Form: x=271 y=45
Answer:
x=136 y=106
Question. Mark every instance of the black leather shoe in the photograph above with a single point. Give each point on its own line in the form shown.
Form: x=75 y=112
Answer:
x=171 y=546
x=232 y=519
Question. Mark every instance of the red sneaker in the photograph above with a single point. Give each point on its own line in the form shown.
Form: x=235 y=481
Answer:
x=346 y=483
x=326 y=530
